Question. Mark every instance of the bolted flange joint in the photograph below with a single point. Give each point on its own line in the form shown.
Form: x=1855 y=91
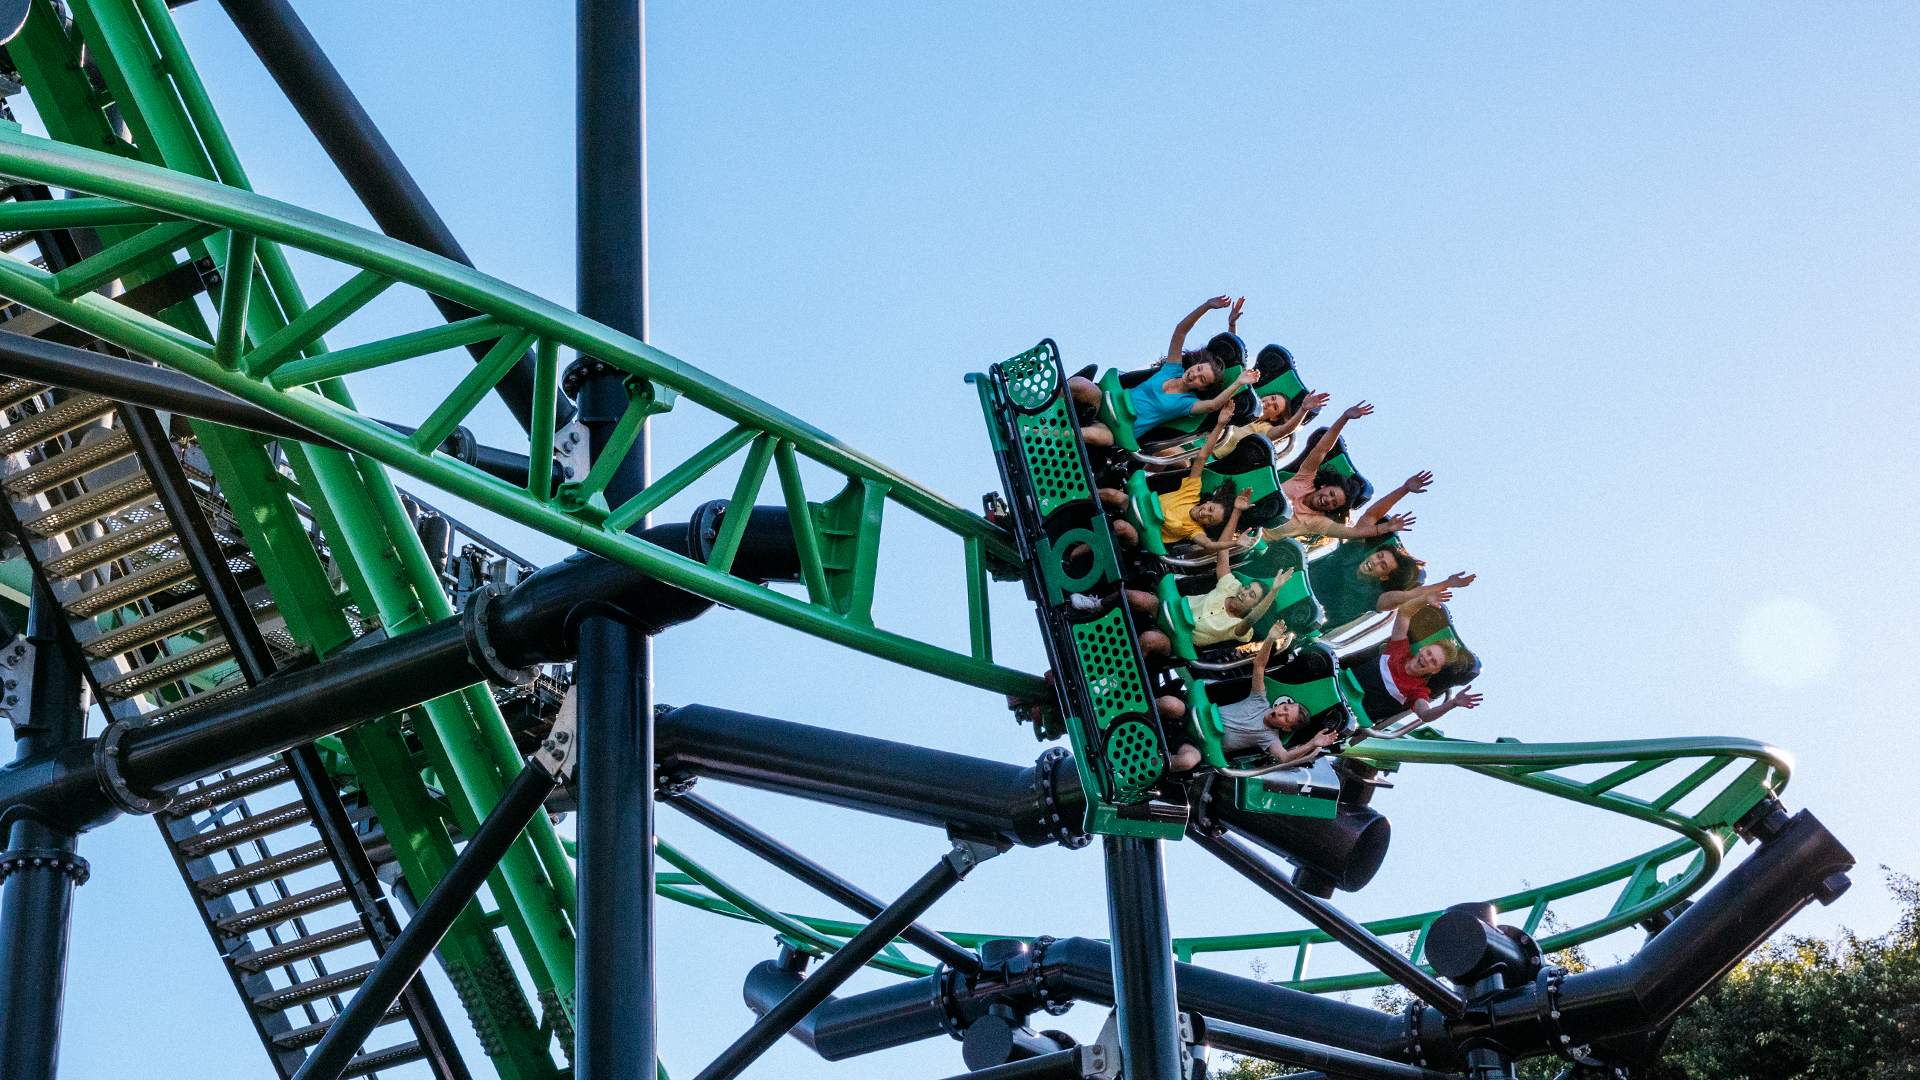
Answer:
x=480 y=651
x=17 y=859
x=106 y=762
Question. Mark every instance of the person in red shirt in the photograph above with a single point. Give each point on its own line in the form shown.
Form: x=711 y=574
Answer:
x=1397 y=682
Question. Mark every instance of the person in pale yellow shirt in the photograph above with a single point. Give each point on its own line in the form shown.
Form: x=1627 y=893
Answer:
x=1228 y=613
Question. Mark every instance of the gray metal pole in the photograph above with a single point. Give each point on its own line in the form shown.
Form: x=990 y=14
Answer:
x=614 y=1027
x=1143 y=990
x=39 y=865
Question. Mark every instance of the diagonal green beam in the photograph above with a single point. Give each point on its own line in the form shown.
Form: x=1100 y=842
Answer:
x=42 y=161
x=128 y=255
x=75 y=214
x=115 y=322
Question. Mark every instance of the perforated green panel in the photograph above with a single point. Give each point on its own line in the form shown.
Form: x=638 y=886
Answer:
x=1108 y=663
x=1032 y=377
x=1053 y=457
x=1134 y=761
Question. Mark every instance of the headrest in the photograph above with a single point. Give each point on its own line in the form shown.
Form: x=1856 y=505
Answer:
x=1273 y=362
x=1228 y=349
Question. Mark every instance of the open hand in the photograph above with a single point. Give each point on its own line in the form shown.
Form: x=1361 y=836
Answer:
x=1462 y=698
x=1397 y=523
x=1457 y=581
x=1233 y=316
x=1215 y=303
x=1324 y=738
x=1247 y=378
x=1418 y=482
x=1244 y=500
x=1316 y=400
x=1357 y=411
x=1439 y=596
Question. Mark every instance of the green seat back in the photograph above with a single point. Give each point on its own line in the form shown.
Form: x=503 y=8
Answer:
x=1145 y=513
x=1203 y=723
x=1176 y=618
x=1116 y=410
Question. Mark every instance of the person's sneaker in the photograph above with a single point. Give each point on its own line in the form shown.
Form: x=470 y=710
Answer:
x=1084 y=604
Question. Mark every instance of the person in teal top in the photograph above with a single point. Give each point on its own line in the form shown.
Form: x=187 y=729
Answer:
x=1170 y=392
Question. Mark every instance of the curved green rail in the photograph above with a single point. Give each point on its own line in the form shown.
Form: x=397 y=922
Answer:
x=171 y=211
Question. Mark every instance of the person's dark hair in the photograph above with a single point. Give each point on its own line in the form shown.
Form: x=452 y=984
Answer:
x=1351 y=485
x=1224 y=495
x=1405 y=572
x=1194 y=359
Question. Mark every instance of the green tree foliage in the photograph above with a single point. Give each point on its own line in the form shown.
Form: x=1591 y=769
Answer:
x=1809 y=1009
x=1800 y=1008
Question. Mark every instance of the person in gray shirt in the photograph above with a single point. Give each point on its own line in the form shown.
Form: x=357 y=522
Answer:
x=1256 y=723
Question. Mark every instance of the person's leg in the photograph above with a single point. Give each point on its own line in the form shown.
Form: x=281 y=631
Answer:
x=1186 y=759
x=1171 y=708
x=1084 y=391
x=1155 y=643
x=1096 y=435
x=1144 y=604
x=1114 y=499
x=1124 y=532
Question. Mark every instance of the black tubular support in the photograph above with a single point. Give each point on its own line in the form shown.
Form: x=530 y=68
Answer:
x=842 y=965
x=248 y=646
x=826 y=881
x=371 y=168
x=614 y=1013
x=134 y=383
x=1145 y=1005
x=1061 y=1065
x=1287 y=1050
x=536 y=623
x=1031 y=806
x=430 y=922
x=615 y=1033
x=1335 y=924
x=39 y=867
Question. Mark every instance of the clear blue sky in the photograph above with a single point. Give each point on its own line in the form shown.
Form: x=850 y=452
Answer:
x=1637 y=282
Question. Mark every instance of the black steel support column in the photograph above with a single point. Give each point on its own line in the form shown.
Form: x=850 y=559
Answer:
x=249 y=649
x=1288 y=1050
x=1143 y=990
x=39 y=866
x=430 y=922
x=614 y=1026
x=360 y=152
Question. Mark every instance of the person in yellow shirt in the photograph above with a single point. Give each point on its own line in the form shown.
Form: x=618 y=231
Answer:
x=1188 y=516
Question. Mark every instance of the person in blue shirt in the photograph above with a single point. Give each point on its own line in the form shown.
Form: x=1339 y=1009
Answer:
x=1169 y=391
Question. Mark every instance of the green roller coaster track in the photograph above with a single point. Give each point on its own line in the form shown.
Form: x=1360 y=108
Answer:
x=168 y=184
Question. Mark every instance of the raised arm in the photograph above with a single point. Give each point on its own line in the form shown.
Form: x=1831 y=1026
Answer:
x=1262 y=607
x=1462 y=698
x=1233 y=315
x=1265 y=654
x=1415 y=484
x=1299 y=416
x=1403 y=614
x=1305 y=752
x=1218 y=402
x=1318 y=455
x=1229 y=531
x=1179 y=343
x=1423 y=594
x=1206 y=449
